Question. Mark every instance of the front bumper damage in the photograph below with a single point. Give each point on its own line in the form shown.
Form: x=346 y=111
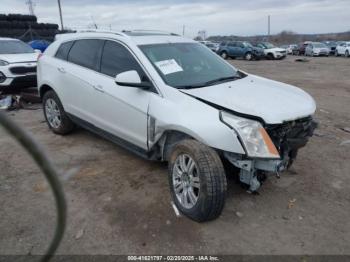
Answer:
x=288 y=138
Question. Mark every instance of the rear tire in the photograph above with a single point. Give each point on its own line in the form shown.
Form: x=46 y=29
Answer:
x=54 y=113
x=196 y=172
x=224 y=55
x=347 y=53
x=336 y=53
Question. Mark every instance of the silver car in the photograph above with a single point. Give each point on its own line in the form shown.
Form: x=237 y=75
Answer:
x=317 y=49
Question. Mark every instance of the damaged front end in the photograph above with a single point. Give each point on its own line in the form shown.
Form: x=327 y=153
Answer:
x=287 y=138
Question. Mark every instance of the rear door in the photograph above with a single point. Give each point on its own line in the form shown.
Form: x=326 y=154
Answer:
x=80 y=74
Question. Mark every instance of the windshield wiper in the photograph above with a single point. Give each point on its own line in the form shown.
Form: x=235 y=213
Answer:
x=211 y=82
x=221 y=79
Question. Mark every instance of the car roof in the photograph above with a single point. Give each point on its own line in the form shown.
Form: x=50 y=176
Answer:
x=138 y=37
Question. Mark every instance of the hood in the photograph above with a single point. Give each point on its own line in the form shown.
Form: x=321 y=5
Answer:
x=321 y=49
x=19 y=58
x=272 y=101
x=276 y=49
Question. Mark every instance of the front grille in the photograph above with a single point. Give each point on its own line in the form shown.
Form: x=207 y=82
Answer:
x=22 y=70
x=292 y=135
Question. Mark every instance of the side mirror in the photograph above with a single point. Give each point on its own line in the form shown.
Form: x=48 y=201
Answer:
x=131 y=78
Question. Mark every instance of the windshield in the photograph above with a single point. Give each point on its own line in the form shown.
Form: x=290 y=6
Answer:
x=319 y=45
x=247 y=44
x=188 y=65
x=268 y=45
x=14 y=47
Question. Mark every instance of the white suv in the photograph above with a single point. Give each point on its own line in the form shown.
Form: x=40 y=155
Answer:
x=17 y=65
x=343 y=49
x=171 y=99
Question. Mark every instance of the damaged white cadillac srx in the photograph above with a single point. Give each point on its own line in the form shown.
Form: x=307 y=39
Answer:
x=172 y=99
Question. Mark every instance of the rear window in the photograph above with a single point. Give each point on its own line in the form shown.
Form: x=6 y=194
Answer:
x=63 y=50
x=86 y=53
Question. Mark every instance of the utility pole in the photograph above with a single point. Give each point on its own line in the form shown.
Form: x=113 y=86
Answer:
x=30 y=6
x=60 y=11
x=268 y=27
x=183 y=30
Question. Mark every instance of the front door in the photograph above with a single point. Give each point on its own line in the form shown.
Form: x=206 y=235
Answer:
x=120 y=110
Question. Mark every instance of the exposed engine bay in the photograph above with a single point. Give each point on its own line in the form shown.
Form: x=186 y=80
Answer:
x=288 y=138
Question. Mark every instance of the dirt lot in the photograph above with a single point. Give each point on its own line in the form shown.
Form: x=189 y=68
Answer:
x=120 y=204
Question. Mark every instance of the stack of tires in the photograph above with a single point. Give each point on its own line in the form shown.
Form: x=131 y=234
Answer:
x=16 y=25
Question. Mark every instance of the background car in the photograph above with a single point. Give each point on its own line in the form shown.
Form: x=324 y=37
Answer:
x=242 y=49
x=343 y=49
x=332 y=45
x=289 y=48
x=301 y=48
x=271 y=51
x=212 y=46
x=17 y=65
x=317 y=49
x=39 y=44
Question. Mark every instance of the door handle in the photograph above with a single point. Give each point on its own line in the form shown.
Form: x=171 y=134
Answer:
x=98 y=88
x=61 y=69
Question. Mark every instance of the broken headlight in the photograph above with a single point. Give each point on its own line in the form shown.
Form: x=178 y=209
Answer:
x=254 y=137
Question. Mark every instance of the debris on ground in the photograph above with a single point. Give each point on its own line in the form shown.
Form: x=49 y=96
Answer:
x=239 y=214
x=344 y=143
x=291 y=203
x=302 y=60
x=324 y=111
x=79 y=234
x=345 y=129
x=5 y=102
x=29 y=100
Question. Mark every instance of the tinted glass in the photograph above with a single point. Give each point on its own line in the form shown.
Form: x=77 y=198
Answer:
x=86 y=53
x=14 y=47
x=63 y=50
x=117 y=59
x=232 y=44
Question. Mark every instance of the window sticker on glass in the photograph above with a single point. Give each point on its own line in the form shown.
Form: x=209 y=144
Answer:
x=169 y=66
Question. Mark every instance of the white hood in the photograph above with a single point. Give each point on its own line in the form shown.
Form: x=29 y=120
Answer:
x=273 y=101
x=275 y=49
x=19 y=58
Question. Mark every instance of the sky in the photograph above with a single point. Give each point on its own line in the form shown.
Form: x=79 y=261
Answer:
x=216 y=17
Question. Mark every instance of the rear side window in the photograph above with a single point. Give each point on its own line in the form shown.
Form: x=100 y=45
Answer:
x=86 y=53
x=63 y=50
x=117 y=59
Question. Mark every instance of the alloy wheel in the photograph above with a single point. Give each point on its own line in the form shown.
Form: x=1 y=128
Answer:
x=53 y=114
x=186 y=182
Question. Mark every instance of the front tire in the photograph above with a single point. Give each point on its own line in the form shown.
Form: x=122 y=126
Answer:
x=197 y=180
x=347 y=53
x=55 y=116
x=248 y=56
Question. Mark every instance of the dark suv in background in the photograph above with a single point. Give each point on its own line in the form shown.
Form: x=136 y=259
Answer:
x=241 y=49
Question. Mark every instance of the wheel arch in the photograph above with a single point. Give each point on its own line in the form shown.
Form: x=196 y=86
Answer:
x=43 y=89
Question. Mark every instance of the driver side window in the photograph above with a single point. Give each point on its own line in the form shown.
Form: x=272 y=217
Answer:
x=117 y=59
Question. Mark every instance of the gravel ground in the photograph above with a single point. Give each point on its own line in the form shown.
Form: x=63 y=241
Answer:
x=119 y=203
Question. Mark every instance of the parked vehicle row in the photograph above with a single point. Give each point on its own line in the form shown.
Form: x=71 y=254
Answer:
x=326 y=48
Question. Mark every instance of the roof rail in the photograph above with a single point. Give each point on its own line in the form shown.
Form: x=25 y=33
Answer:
x=147 y=32
x=101 y=31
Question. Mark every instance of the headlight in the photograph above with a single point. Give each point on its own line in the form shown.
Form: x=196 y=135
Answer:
x=254 y=137
x=3 y=63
